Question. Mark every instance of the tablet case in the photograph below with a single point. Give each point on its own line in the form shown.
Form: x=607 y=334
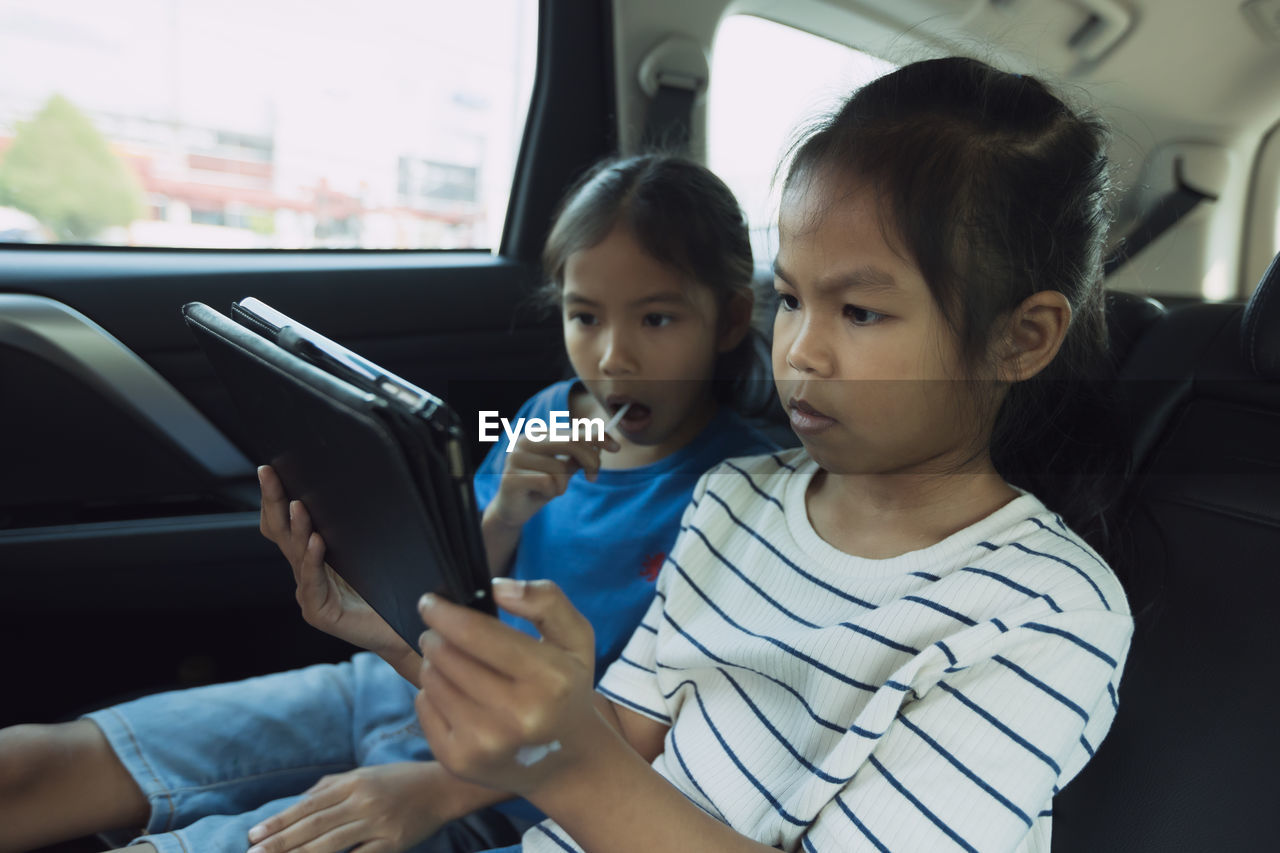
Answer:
x=455 y=499
x=396 y=512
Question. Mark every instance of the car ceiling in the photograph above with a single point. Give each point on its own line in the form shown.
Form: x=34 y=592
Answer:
x=1201 y=73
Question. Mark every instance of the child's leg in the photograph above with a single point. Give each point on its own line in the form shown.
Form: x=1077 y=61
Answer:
x=377 y=706
x=173 y=758
x=226 y=749
x=62 y=781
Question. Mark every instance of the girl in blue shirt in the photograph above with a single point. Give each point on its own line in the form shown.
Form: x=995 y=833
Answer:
x=650 y=265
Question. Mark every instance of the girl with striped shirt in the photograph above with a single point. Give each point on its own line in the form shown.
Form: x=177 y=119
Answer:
x=893 y=638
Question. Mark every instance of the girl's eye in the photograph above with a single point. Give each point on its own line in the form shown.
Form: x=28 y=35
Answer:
x=862 y=316
x=582 y=318
x=787 y=302
x=657 y=320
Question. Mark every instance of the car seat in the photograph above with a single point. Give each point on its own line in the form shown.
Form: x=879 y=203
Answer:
x=1189 y=763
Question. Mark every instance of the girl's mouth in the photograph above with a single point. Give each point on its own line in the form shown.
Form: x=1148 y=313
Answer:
x=637 y=417
x=805 y=419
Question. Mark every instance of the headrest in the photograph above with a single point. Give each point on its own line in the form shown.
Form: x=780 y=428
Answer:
x=1260 y=328
x=1128 y=318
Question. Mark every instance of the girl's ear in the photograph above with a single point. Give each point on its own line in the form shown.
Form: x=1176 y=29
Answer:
x=1033 y=336
x=735 y=320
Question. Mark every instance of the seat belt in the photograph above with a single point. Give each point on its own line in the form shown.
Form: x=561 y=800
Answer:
x=672 y=74
x=1166 y=213
x=670 y=115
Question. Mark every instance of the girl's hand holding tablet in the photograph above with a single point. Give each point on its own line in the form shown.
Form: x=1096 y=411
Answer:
x=493 y=697
x=327 y=601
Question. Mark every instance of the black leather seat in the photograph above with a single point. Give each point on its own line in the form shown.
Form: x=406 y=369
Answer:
x=1129 y=316
x=1190 y=762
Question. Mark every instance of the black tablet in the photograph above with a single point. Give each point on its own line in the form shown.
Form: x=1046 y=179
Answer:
x=380 y=464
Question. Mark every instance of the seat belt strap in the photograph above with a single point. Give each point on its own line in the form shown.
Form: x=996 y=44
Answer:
x=1166 y=213
x=670 y=115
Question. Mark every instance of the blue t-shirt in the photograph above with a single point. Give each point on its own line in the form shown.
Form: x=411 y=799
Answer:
x=604 y=542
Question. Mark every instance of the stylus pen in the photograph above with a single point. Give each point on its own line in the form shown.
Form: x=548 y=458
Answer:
x=617 y=418
x=303 y=342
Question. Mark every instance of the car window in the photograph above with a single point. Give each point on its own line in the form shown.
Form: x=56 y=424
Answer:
x=391 y=124
x=768 y=81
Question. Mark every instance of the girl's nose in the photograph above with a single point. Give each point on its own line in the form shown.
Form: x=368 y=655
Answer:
x=618 y=356
x=808 y=352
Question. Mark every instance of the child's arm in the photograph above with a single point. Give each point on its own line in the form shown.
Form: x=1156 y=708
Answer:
x=646 y=736
x=1008 y=713
x=490 y=691
x=616 y=801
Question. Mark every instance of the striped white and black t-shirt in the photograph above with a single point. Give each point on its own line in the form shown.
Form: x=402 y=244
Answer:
x=820 y=701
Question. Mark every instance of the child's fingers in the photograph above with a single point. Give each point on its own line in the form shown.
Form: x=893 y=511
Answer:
x=339 y=838
x=435 y=728
x=585 y=453
x=316 y=800
x=299 y=525
x=325 y=832
x=537 y=484
x=463 y=730
x=273 y=518
x=269 y=480
x=545 y=605
x=310 y=574
x=500 y=647
x=322 y=783
x=560 y=468
x=549 y=447
x=453 y=709
x=478 y=681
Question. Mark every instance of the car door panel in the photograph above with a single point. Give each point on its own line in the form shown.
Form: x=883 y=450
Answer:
x=111 y=514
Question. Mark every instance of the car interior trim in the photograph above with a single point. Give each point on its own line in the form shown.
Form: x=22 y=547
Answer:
x=59 y=334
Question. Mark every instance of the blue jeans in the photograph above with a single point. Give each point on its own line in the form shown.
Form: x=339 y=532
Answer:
x=214 y=761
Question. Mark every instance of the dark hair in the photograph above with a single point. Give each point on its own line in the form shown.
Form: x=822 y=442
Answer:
x=683 y=216
x=997 y=190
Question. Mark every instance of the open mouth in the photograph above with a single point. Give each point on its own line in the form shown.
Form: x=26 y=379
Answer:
x=637 y=415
